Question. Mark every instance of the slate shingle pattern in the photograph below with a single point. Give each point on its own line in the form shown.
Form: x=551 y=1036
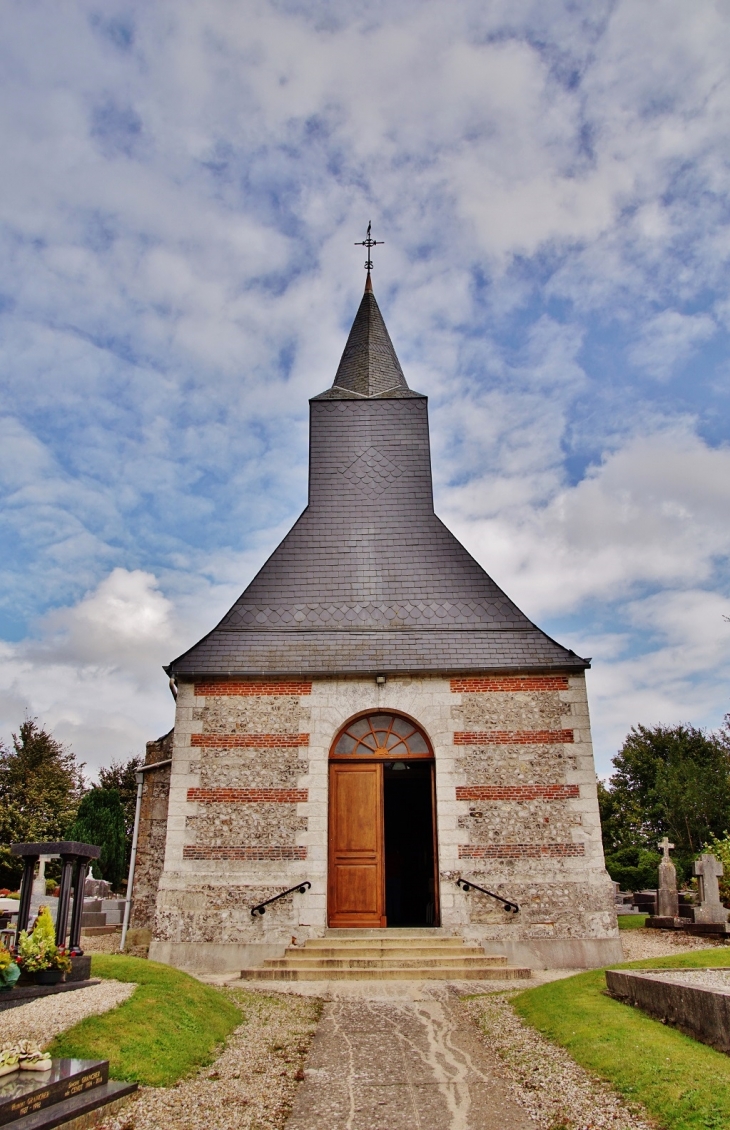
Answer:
x=369 y=579
x=369 y=366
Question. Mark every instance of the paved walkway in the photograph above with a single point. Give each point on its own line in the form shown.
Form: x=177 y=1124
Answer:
x=402 y=1065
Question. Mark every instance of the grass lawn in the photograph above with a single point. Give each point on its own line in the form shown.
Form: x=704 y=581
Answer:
x=170 y=1025
x=632 y=921
x=683 y=1084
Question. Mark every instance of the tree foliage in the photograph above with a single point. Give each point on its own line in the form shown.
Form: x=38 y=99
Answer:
x=100 y=821
x=668 y=780
x=41 y=785
x=122 y=776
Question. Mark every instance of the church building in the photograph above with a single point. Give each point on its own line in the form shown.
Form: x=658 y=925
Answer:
x=375 y=722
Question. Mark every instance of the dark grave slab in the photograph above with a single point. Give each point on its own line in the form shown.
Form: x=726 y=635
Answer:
x=25 y=1092
x=22 y=993
x=665 y=922
x=106 y=1095
x=80 y=968
x=707 y=928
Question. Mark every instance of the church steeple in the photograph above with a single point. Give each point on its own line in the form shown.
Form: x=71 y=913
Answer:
x=369 y=366
x=368 y=579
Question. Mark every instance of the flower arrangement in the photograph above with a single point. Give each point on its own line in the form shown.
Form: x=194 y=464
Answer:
x=9 y=1059
x=9 y=970
x=24 y=1055
x=38 y=951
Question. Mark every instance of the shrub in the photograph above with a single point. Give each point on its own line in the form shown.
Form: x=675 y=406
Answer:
x=634 y=868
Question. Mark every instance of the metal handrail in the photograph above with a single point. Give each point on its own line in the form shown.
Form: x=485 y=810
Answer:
x=261 y=908
x=468 y=886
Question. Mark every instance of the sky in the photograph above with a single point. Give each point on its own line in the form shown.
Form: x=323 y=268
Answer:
x=182 y=187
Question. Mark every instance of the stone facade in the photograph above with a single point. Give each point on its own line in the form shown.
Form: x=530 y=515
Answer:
x=370 y=603
x=152 y=832
x=516 y=812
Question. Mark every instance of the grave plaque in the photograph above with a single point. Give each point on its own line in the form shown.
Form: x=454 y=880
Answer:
x=27 y=1091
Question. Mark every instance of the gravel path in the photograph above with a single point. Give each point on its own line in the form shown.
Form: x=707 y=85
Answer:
x=251 y=1086
x=545 y=1080
x=42 y=1020
x=638 y=944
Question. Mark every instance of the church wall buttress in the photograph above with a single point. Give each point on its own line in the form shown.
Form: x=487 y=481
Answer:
x=152 y=833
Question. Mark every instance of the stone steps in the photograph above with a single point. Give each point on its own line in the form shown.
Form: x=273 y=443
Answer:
x=388 y=955
x=396 y=953
x=387 y=973
x=465 y=962
x=431 y=944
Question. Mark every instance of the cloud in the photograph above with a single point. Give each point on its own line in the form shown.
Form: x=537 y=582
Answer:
x=654 y=512
x=181 y=195
x=680 y=674
x=93 y=670
x=670 y=339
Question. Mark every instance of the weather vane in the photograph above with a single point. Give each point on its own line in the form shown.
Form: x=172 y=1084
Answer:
x=369 y=242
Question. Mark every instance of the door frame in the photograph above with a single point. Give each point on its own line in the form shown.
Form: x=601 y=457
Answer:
x=335 y=759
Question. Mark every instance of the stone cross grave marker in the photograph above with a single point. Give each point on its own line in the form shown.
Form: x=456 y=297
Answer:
x=708 y=869
x=667 y=897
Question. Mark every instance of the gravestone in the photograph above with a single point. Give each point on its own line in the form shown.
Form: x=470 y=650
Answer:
x=667 y=897
x=708 y=870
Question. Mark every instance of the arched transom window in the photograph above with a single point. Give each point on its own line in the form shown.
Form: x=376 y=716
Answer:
x=388 y=736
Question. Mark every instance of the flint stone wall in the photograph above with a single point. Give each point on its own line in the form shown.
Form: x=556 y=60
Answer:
x=537 y=843
x=152 y=833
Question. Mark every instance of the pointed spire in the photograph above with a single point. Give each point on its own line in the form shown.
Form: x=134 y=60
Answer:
x=369 y=366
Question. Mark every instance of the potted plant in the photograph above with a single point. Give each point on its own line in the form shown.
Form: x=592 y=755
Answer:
x=9 y=970
x=38 y=953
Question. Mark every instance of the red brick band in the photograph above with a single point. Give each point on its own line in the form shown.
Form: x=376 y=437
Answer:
x=520 y=851
x=516 y=792
x=255 y=741
x=513 y=737
x=250 y=687
x=248 y=853
x=249 y=796
x=509 y=683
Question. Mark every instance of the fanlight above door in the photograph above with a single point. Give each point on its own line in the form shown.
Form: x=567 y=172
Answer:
x=386 y=736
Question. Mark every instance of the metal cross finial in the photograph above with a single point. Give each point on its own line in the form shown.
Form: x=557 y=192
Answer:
x=665 y=846
x=369 y=242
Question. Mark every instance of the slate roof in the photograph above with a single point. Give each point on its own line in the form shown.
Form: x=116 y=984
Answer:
x=369 y=580
x=368 y=366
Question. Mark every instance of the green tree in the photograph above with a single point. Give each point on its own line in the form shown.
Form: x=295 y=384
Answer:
x=668 y=780
x=613 y=823
x=100 y=821
x=720 y=848
x=122 y=776
x=634 y=868
x=41 y=785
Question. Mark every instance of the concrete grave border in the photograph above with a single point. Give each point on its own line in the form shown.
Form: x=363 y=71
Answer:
x=697 y=1010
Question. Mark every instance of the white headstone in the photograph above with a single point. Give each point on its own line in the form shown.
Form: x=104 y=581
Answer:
x=667 y=897
x=708 y=870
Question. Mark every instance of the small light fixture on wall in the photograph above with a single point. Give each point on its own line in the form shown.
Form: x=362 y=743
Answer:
x=380 y=680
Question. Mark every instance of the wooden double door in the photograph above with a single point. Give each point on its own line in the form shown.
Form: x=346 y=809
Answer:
x=381 y=845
